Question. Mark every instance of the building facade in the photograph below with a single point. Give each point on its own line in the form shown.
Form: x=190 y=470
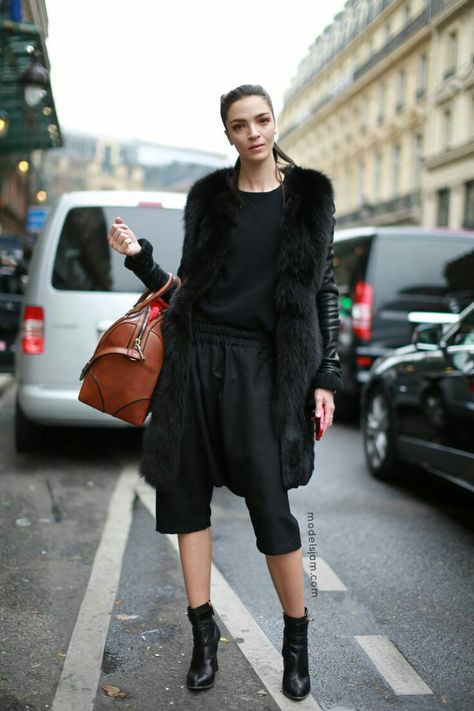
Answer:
x=28 y=122
x=384 y=104
x=88 y=162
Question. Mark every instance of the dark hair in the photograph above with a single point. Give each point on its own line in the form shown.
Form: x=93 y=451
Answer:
x=239 y=93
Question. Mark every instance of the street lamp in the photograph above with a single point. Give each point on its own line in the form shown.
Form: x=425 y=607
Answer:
x=34 y=81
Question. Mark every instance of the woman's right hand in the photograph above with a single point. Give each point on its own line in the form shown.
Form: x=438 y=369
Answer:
x=122 y=239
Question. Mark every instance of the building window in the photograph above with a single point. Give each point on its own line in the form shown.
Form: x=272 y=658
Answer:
x=360 y=181
x=365 y=113
x=421 y=79
x=400 y=90
x=407 y=13
x=447 y=128
x=349 y=187
x=107 y=159
x=417 y=158
x=377 y=176
x=396 y=169
x=443 y=208
x=469 y=205
x=381 y=102
x=452 y=54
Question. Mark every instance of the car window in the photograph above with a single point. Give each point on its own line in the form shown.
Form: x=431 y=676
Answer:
x=350 y=265
x=416 y=272
x=464 y=335
x=461 y=345
x=10 y=284
x=85 y=262
x=12 y=267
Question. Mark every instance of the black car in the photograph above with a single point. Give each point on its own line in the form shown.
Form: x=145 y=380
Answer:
x=13 y=270
x=418 y=404
x=383 y=273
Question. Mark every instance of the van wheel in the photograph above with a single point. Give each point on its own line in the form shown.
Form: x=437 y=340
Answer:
x=379 y=437
x=28 y=435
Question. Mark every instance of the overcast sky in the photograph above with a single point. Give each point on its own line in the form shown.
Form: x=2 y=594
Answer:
x=155 y=70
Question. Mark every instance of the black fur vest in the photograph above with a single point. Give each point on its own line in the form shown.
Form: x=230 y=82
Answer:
x=306 y=239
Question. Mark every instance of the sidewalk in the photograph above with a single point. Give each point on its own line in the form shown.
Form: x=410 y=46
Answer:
x=6 y=379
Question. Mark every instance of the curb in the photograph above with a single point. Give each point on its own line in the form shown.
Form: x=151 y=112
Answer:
x=6 y=380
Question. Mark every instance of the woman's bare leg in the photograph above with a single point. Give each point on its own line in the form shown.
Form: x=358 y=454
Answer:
x=286 y=570
x=195 y=553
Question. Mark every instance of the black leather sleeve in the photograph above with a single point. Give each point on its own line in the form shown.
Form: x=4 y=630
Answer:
x=328 y=374
x=148 y=271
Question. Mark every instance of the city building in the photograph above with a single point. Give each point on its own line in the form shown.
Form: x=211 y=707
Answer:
x=383 y=103
x=90 y=162
x=28 y=120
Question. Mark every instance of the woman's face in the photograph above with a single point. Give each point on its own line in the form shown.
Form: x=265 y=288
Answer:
x=251 y=128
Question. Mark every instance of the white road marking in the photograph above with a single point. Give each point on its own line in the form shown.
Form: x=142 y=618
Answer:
x=77 y=686
x=392 y=665
x=266 y=661
x=326 y=578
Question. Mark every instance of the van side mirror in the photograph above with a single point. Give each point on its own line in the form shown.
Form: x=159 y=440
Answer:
x=426 y=336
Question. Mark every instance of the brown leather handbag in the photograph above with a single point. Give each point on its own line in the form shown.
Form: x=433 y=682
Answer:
x=122 y=374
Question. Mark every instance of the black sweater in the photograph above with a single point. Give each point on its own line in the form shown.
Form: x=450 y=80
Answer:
x=242 y=294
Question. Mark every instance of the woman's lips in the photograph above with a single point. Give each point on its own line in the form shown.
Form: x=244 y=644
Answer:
x=255 y=148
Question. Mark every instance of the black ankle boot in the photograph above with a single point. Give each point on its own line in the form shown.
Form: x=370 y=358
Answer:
x=296 y=682
x=206 y=635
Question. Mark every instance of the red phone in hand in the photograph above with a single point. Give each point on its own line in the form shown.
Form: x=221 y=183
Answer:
x=319 y=426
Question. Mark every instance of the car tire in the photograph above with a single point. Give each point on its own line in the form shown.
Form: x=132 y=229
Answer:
x=28 y=435
x=379 y=437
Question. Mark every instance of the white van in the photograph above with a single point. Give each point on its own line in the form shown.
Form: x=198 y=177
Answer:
x=77 y=287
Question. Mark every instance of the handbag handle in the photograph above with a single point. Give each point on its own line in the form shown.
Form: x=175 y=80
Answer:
x=148 y=296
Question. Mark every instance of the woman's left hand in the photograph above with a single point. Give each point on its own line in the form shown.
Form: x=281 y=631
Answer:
x=324 y=405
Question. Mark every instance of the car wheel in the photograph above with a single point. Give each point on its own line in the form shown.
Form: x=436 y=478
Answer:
x=379 y=436
x=28 y=435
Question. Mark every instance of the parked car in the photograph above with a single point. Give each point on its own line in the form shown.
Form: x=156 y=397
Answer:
x=13 y=269
x=77 y=287
x=418 y=404
x=383 y=273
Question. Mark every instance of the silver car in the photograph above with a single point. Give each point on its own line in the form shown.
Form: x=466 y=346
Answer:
x=77 y=287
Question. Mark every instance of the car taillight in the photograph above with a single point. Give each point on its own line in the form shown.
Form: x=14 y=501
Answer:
x=364 y=361
x=362 y=310
x=32 y=340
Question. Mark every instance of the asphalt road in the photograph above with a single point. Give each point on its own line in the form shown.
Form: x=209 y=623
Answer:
x=92 y=597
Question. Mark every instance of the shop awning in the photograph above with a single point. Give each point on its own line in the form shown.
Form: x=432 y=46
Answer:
x=28 y=128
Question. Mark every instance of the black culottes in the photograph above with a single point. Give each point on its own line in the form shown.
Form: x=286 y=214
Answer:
x=228 y=439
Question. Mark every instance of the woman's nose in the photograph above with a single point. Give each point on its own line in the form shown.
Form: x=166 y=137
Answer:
x=253 y=131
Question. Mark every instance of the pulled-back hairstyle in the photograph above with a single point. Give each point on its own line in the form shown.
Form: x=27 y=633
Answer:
x=239 y=93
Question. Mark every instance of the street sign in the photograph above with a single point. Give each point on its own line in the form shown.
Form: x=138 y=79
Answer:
x=36 y=218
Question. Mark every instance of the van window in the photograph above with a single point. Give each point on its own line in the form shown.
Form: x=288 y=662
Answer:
x=350 y=265
x=85 y=262
x=415 y=272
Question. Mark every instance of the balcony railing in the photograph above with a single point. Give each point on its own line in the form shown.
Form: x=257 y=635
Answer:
x=367 y=213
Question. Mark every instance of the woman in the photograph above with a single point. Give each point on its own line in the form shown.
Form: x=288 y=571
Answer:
x=251 y=336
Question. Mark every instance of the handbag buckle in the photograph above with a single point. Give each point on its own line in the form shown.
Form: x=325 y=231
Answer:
x=137 y=347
